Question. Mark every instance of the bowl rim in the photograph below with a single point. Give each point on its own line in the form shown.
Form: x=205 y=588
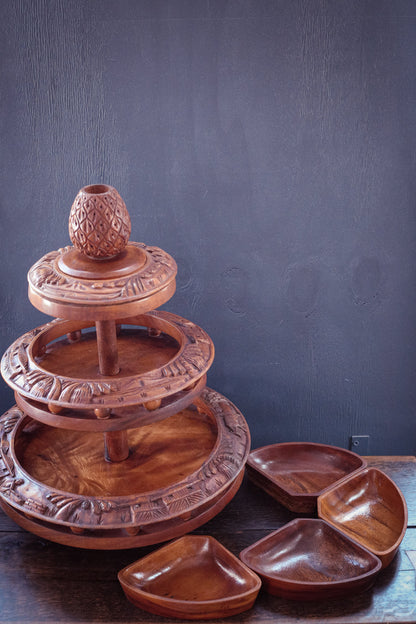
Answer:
x=319 y=445
x=311 y=584
x=123 y=577
x=370 y=469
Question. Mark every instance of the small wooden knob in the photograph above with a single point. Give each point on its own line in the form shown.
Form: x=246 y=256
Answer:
x=153 y=405
x=102 y=412
x=153 y=332
x=54 y=409
x=74 y=336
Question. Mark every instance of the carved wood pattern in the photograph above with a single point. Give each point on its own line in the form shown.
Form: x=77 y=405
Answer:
x=99 y=224
x=46 y=279
x=119 y=419
x=21 y=370
x=221 y=468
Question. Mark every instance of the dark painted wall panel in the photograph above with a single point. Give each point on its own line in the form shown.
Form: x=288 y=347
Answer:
x=269 y=146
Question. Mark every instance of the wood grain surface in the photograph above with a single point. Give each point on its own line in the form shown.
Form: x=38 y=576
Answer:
x=369 y=508
x=42 y=582
x=193 y=578
x=190 y=349
x=295 y=473
x=138 y=353
x=74 y=461
x=224 y=431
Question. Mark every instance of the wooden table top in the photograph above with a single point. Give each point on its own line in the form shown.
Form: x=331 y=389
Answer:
x=44 y=582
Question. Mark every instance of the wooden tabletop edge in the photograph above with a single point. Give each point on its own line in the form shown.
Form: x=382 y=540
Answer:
x=395 y=458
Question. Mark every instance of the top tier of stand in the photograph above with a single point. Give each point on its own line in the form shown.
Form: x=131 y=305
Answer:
x=103 y=276
x=107 y=282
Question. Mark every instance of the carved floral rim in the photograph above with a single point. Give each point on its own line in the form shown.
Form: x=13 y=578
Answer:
x=78 y=421
x=219 y=470
x=194 y=357
x=47 y=280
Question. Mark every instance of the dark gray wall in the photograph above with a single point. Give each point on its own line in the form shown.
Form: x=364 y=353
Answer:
x=269 y=146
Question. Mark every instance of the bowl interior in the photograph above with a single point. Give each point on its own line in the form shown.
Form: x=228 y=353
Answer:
x=309 y=551
x=304 y=468
x=368 y=507
x=139 y=353
x=191 y=569
x=73 y=461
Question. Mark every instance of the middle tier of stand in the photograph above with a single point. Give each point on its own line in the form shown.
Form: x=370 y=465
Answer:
x=159 y=355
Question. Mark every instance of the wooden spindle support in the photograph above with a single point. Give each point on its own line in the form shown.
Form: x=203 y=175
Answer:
x=107 y=347
x=116 y=446
x=116 y=443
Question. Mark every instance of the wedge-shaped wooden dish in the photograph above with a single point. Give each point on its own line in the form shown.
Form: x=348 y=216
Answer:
x=193 y=578
x=369 y=508
x=296 y=473
x=308 y=559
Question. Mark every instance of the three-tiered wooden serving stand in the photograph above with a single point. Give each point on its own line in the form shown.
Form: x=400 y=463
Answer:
x=115 y=441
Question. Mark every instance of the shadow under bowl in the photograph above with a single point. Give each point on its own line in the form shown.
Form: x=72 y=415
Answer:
x=194 y=577
x=308 y=559
x=296 y=473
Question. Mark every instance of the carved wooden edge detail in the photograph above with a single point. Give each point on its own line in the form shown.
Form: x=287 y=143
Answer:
x=23 y=373
x=46 y=279
x=86 y=420
x=227 y=460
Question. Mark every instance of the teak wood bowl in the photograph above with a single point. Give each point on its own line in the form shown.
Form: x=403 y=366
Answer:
x=194 y=577
x=168 y=485
x=369 y=508
x=296 y=473
x=308 y=559
x=159 y=354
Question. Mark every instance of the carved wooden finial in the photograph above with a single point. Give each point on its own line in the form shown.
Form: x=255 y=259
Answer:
x=99 y=224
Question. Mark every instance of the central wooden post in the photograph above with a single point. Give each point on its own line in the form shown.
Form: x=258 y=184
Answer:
x=116 y=444
x=107 y=347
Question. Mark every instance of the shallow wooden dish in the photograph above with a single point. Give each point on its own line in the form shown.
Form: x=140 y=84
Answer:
x=194 y=577
x=159 y=354
x=296 y=473
x=308 y=559
x=180 y=472
x=369 y=508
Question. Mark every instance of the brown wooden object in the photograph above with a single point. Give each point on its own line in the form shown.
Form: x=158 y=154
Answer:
x=44 y=365
x=115 y=441
x=105 y=419
x=369 y=508
x=193 y=578
x=99 y=224
x=107 y=347
x=308 y=559
x=296 y=473
x=126 y=537
x=42 y=581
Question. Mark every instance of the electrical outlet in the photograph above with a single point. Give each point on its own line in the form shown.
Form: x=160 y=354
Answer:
x=359 y=444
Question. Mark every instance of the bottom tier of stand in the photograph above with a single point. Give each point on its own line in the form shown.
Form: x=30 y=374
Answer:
x=180 y=473
x=118 y=539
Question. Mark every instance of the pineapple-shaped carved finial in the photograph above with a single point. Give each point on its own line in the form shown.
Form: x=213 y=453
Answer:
x=99 y=224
